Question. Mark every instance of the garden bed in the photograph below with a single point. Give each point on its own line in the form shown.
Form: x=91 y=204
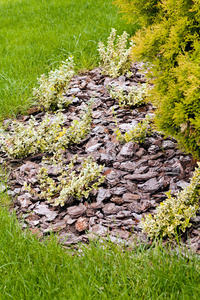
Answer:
x=137 y=176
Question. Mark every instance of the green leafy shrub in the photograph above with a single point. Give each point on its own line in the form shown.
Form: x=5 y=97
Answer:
x=136 y=134
x=48 y=136
x=70 y=183
x=115 y=58
x=49 y=94
x=174 y=214
x=135 y=96
x=170 y=41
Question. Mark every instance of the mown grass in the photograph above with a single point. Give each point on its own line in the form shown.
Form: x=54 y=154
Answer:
x=30 y=269
x=36 y=35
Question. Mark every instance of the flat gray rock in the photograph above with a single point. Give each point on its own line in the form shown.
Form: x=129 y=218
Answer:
x=140 y=177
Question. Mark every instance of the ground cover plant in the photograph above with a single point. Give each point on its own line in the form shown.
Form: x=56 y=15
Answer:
x=48 y=136
x=51 y=89
x=115 y=57
x=71 y=183
x=135 y=96
x=174 y=214
x=136 y=134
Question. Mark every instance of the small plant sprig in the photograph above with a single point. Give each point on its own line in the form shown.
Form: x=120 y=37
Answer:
x=135 y=96
x=48 y=136
x=115 y=58
x=70 y=183
x=136 y=134
x=51 y=87
x=174 y=214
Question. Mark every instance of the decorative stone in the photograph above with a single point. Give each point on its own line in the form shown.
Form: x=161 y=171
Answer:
x=152 y=185
x=91 y=142
x=68 y=239
x=128 y=166
x=103 y=194
x=135 y=207
x=43 y=210
x=128 y=149
x=74 y=91
x=140 y=152
x=33 y=220
x=125 y=127
x=24 y=200
x=123 y=234
x=167 y=144
x=118 y=191
x=94 y=147
x=140 y=177
x=124 y=214
x=128 y=197
x=56 y=227
x=53 y=170
x=99 y=229
x=81 y=224
x=113 y=177
x=99 y=129
x=92 y=221
x=110 y=209
x=117 y=200
x=27 y=167
x=141 y=170
x=182 y=184
x=76 y=211
x=107 y=158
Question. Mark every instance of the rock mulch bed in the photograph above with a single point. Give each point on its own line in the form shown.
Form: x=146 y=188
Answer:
x=137 y=175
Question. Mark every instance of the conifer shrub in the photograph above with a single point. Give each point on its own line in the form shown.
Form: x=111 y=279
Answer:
x=169 y=43
x=138 y=10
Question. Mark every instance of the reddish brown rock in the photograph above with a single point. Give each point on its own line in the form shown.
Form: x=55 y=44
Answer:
x=117 y=200
x=82 y=224
x=110 y=209
x=76 y=211
x=128 y=197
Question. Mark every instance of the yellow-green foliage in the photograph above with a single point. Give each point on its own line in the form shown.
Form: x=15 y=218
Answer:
x=135 y=96
x=143 y=11
x=136 y=134
x=48 y=136
x=174 y=214
x=115 y=58
x=69 y=183
x=50 y=91
x=170 y=41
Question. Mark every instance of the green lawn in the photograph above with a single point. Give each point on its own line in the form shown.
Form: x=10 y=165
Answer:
x=32 y=270
x=35 y=36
